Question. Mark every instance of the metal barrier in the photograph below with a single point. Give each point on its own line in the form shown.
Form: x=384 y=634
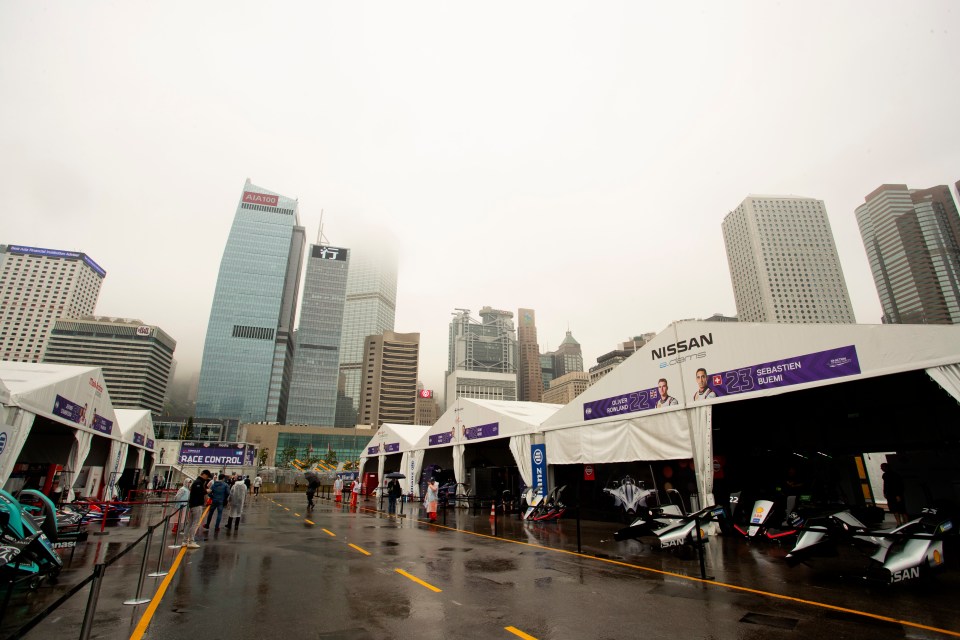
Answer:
x=95 y=579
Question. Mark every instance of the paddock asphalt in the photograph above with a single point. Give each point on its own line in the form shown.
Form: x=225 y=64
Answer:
x=337 y=572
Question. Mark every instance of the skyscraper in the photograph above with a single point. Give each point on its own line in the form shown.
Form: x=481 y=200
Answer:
x=783 y=262
x=482 y=360
x=529 y=376
x=316 y=365
x=37 y=288
x=566 y=359
x=370 y=309
x=247 y=355
x=388 y=392
x=912 y=238
x=136 y=358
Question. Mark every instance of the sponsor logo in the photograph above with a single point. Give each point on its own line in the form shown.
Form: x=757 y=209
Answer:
x=538 y=456
x=143 y=330
x=426 y=393
x=681 y=346
x=96 y=385
x=260 y=198
x=905 y=574
x=3 y=441
x=671 y=543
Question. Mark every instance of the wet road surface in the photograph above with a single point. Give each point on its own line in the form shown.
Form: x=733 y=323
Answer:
x=337 y=573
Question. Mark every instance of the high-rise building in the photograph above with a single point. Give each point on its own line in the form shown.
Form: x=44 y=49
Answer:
x=912 y=238
x=566 y=359
x=482 y=360
x=37 y=288
x=564 y=389
x=370 y=309
x=248 y=352
x=784 y=263
x=316 y=365
x=136 y=358
x=428 y=411
x=388 y=392
x=529 y=376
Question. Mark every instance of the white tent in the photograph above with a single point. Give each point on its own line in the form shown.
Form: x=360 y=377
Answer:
x=618 y=419
x=469 y=421
x=392 y=439
x=71 y=395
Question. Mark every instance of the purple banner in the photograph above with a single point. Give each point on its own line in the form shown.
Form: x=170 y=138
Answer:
x=643 y=400
x=812 y=367
x=69 y=410
x=251 y=455
x=372 y=451
x=482 y=431
x=212 y=455
x=391 y=447
x=138 y=438
x=149 y=443
x=101 y=424
x=440 y=438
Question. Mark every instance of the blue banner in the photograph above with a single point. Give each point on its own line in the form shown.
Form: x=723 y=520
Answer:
x=538 y=455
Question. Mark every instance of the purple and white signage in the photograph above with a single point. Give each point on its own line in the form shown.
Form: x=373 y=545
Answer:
x=482 y=431
x=440 y=438
x=212 y=454
x=101 y=424
x=149 y=443
x=138 y=438
x=69 y=410
x=391 y=447
x=642 y=400
x=811 y=367
x=373 y=451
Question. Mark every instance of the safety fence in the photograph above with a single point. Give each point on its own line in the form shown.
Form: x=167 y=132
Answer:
x=96 y=577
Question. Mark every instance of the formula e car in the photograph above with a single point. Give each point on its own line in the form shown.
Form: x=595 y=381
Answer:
x=905 y=553
x=631 y=497
x=669 y=526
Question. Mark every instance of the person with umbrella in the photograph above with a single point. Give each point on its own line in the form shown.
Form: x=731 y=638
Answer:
x=394 y=491
x=313 y=481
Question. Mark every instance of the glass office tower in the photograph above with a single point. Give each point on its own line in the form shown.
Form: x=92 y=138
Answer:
x=316 y=367
x=248 y=352
x=370 y=310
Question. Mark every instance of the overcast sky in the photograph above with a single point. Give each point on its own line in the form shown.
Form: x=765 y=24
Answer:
x=576 y=158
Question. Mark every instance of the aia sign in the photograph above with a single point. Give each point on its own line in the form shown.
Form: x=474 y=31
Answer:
x=260 y=198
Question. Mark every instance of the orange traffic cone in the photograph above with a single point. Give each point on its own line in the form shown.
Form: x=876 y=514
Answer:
x=493 y=510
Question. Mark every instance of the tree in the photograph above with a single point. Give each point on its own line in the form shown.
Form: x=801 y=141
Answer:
x=286 y=456
x=331 y=458
x=262 y=457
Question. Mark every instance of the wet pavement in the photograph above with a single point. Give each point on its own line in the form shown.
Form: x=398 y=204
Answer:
x=337 y=573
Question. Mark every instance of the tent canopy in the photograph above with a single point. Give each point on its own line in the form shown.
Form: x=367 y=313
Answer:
x=394 y=438
x=72 y=395
x=136 y=427
x=468 y=420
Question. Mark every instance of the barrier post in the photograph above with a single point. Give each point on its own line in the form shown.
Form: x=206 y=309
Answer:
x=578 y=517
x=180 y=511
x=143 y=572
x=91 y=609
x=494 y=518
x=703 y=566
x=103 y=521
x=163 y=543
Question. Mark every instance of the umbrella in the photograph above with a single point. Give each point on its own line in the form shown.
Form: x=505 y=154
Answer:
x=312 y=475
x=394 y=474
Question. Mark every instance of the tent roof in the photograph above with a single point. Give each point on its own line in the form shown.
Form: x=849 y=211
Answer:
x=394 y=438
x=135 y=421
x=72 y=395
x=461 y=421
x=746 y=360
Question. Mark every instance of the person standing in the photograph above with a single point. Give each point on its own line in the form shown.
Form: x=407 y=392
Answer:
x=256 y=486
x=893 y=490
x=338 y=490
x=198 y=495
x=355 y=492
x=219 y=493
x=430 y=499
x=238 y=494
x=312 y=483
x=393 y=492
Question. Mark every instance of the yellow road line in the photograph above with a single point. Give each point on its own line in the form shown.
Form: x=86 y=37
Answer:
x=309 y=521
x=330 y=533
x=155 y=601
x=287 y=508
x=517 y=632
x=734 y=587
x=297 y=514
x=363 y=551
x=418 y=580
